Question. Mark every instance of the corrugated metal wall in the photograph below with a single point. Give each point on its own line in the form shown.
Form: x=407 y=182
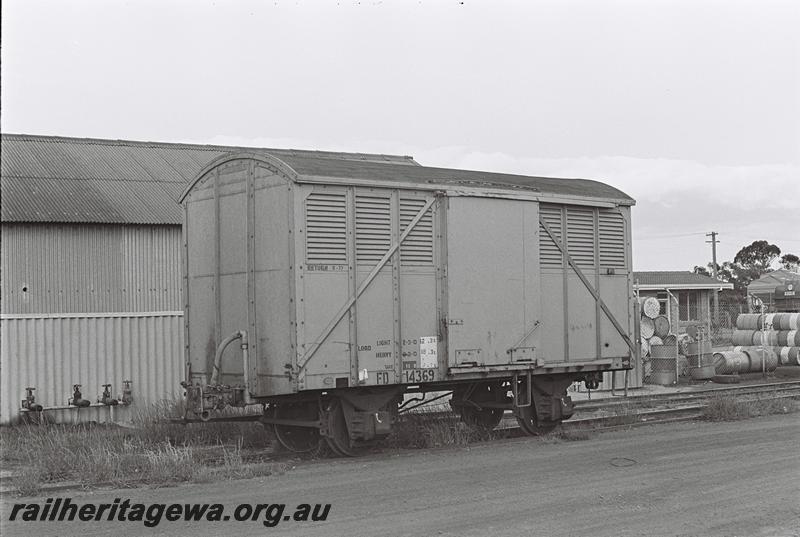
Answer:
x=51 y=353
x=52 y=268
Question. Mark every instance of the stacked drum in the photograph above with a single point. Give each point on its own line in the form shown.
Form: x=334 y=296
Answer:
x=778 y=331
x=658 y=343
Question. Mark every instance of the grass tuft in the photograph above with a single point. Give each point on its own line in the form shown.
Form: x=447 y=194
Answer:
x=154 y=451
x=437 y=426
x=728 y=408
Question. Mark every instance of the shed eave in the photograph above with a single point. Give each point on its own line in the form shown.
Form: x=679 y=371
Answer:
x=474 y=191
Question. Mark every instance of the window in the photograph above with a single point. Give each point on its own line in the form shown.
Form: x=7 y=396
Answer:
x=663 y=301
x=687 y=306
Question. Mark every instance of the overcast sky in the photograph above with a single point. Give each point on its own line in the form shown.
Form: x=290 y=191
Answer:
x=691 y=107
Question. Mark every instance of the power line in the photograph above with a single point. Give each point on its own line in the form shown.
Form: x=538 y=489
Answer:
x=670 y=236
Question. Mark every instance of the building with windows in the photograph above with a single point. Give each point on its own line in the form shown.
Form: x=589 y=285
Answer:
x=685 y=297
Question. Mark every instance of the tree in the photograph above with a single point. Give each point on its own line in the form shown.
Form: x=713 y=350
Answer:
x=724 y=271
x=790 y=262
x=757 y=257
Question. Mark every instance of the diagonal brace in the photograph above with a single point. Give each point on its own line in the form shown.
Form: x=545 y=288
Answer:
x=375 y=270
x=591 y=289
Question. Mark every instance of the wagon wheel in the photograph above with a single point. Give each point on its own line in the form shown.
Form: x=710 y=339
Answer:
x=530 y=423
x=294 y=438
x=468 y=404
x=338 y=437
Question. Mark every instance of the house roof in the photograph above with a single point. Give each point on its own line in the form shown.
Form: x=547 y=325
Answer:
x=676 y=279
x=769 y=281
x=83 y=180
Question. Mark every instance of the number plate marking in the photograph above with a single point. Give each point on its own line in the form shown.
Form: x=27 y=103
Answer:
x=416 y=376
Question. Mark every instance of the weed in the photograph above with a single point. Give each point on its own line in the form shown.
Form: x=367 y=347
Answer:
x=728 y=408
x=435 y=427
x=155 y=450
x=28 y=482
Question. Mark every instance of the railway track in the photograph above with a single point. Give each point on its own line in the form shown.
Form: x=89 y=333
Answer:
x=695 y=395
x=639 y=410
x=651 y=409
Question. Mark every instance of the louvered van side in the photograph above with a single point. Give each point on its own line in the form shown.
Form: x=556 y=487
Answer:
x=363 y=306
x=325 y=289
x=574 y=327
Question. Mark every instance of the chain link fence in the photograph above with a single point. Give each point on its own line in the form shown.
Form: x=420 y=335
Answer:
x=723 y=322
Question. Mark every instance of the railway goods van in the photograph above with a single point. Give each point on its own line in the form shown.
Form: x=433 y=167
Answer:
x=326 y=289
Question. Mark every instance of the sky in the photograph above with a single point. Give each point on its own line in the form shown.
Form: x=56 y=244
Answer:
x=690 y=107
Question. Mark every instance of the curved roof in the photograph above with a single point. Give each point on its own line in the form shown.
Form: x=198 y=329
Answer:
x=86 y=180
x=310 y=167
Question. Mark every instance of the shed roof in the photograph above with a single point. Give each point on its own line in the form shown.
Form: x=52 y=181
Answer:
x=769 y=281
x=87 y=180
x=676 y=279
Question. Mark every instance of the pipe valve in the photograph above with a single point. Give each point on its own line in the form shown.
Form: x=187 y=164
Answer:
x=106 y=398
x=30 y=401
x=127 y=393
x=77 y=397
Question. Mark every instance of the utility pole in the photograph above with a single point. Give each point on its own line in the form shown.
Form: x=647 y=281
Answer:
x=714 y=242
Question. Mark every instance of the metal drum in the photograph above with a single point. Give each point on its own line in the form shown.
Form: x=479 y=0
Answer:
x=743 y=337
x=662 y=326
x=748 y=321
x=699 y=354
x=766 y=338
x=793 y=338
x=770 y=359
x=790 y=356
x=663 y=357
x=787 y=338
x=779 y=319
x=665 y=378
x=647 y=327
x=655 y=340
x=731 y=362
x=671 y=339
x=651 y=307
x=787 y=355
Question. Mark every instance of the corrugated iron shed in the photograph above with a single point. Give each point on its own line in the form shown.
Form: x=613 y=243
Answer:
x=84 y=180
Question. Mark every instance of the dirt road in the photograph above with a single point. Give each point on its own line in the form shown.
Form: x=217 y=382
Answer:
x=740 y=478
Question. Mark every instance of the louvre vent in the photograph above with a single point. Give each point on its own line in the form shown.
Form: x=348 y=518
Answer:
x=612 y=239
x=580 y=235
x=549 y=254
x=326 y=229
x=373 y=228
x=417 y=249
